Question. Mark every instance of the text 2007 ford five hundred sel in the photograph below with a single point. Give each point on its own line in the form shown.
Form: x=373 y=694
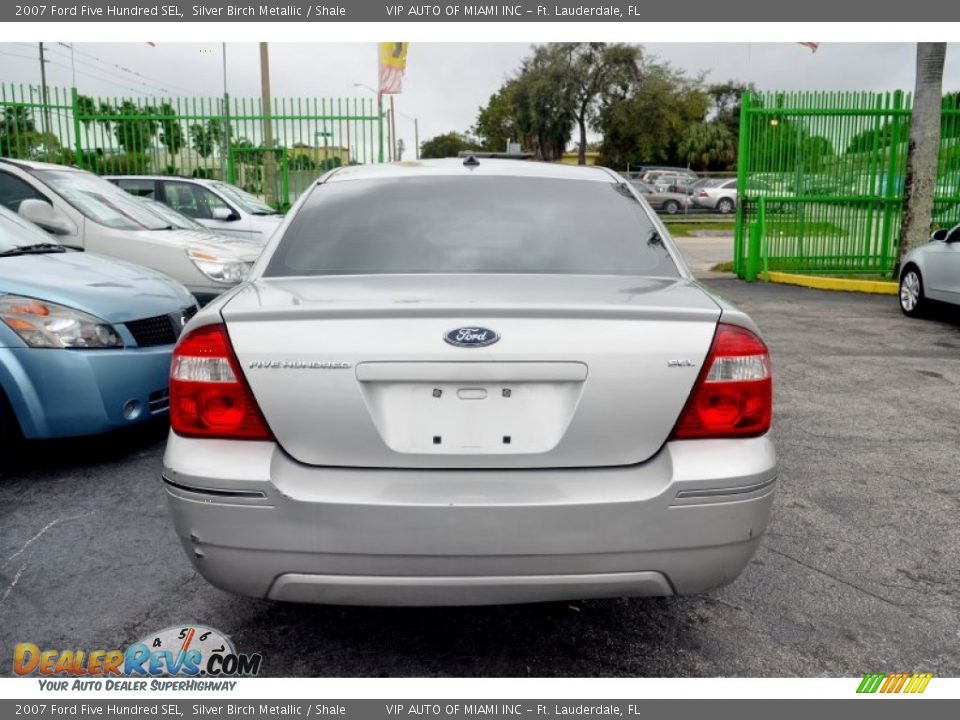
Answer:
x=469 y=381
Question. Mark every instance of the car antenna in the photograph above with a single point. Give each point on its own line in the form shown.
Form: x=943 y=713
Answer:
x=471 y=161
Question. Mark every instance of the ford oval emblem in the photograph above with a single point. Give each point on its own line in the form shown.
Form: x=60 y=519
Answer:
x=471 y=337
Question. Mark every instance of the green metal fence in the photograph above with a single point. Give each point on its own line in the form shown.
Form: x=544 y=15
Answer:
x=273 y=150
x=820 y=180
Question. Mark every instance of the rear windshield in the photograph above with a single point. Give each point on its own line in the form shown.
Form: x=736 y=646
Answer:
x=471 y=225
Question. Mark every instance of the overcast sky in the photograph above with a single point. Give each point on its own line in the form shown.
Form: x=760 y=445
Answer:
x=446 y=83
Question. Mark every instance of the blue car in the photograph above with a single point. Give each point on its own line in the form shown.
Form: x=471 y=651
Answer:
x=85 y=341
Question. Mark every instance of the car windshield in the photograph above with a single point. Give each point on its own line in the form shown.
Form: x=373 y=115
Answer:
x=100 y=200
x=16 y=232
x=173 y=217
x=444 y=224
x=247 y=202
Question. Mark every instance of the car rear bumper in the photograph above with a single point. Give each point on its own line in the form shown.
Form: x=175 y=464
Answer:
x=255 y=522
x=64 y=393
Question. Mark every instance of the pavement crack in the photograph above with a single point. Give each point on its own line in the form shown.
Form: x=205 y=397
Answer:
x=13 y=584
x=837 y=578
x=44 y=529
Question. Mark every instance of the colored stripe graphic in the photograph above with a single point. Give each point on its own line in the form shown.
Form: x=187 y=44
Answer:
x=894 y=683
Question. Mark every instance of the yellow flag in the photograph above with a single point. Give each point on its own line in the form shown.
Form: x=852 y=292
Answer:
x=393 y=64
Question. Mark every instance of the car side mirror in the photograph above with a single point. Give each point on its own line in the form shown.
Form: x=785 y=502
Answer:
x=46 y=216
x=225 y=214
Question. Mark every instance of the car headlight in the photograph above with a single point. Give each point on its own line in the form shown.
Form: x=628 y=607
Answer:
x=219 y=268
x=42 y=324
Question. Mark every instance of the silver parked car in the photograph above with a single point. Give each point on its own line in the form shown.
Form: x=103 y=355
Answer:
x=721 y=197
x=221 y=207
x=931 y=273
x=459 y=382
x=663 y=201
x=87 y=212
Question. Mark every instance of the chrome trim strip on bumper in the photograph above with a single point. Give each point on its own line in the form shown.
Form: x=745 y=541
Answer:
x=716 y=492
x=214 y=491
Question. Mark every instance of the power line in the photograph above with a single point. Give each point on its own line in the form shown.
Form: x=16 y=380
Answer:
x=114 y=69
x=113 y=74
x=137 y=74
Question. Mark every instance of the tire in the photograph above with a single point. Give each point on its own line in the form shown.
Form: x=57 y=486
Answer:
x=912 y=301
x=725 y=206
x=671 y=207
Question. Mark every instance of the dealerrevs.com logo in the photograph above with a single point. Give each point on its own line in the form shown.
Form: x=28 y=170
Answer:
x=892 y=683
x=181 y=651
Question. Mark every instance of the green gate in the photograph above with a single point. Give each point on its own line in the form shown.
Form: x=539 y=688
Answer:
x=274 y=150
x=820 y=180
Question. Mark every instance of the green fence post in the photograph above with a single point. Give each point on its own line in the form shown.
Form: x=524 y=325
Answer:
x=75 y=111
x=754 y=242
x=284 y=181
x=893 y=166
x=743 y=154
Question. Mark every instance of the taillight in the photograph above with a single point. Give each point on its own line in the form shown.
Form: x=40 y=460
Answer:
x=733 y=396
x=208 y=394
x=703 y=193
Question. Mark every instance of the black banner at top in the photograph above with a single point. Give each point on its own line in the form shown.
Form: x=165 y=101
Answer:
x=511 y=11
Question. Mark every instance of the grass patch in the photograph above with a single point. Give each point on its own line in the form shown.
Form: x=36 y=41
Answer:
x=689 y=229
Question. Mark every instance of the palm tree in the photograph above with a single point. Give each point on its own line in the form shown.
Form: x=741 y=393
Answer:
x=924 y=149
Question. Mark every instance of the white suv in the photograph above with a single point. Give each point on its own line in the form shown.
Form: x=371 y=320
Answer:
x=224 y=208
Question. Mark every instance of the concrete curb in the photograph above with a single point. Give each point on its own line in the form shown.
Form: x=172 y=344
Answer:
x=876 y=287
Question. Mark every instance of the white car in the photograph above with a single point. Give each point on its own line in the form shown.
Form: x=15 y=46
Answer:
x=931 y=272
x=86 y=212
x=721 y=197
x=219 y=206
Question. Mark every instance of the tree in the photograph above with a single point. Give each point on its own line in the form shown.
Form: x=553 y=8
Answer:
x=593 y=73
x=171 y=132
x=648 y=125
x=708 y=146
x=134 y=127
x=726 y=98
x=87 y=109
x=206 y=136
x=497 y=122
x=447 y=145
x=18 y=132
x=923 y=149
x=542 y=107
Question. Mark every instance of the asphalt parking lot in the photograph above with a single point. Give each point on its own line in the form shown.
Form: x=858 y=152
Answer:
x=859 y=572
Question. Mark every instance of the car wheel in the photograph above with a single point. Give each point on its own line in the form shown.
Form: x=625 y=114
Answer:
x=725 y=206
x=671 y=207
x=912 y=301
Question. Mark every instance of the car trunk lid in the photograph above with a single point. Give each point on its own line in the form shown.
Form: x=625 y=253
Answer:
x=355 y=370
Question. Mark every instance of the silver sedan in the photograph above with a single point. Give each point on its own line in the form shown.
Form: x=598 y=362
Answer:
x=473 y=381
x=931 y=273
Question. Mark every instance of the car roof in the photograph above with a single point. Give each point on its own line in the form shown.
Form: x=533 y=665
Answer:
x=159 y=177
x=35 y=165
x=451 y=167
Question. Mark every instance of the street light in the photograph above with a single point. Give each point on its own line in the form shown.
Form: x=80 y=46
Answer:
x=379 y=113
x=416 y=133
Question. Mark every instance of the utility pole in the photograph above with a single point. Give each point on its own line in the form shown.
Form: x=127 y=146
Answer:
x=393 y=130
x=226 y=159
x=269 y=175
x=46 y=105
x=380 y=119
